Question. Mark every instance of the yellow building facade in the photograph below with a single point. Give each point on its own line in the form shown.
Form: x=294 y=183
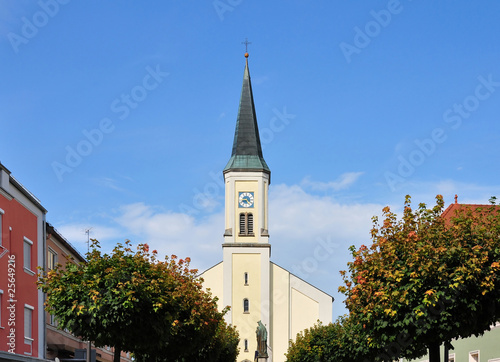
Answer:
x=255 y=288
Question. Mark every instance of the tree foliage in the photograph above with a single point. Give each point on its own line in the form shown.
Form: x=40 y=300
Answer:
x=340 y=341
x=425 y=279
x=135 y=302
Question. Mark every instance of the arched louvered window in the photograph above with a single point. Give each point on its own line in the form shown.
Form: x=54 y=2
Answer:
x=246 y=224
x=246 y=305
x=250 y=223
x=243 y=223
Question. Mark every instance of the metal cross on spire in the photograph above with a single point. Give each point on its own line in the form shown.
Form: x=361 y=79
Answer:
x=246 y=42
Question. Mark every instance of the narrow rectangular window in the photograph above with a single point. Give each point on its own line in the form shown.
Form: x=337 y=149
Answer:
x=246 y=345
x=1 y=228
x=51 y=259
x=242 y=224
x=250 y=223
x=1 y=300
x=28 y=322
x=28 y=328
x=27 y=253
x=53 y=320
x=246 y=278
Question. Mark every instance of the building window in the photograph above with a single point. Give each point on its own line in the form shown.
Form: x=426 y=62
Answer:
x=28 y=321
x=246 y=224
x=27 y=254
x=1 y=228
x=250 y=223
x=28 y=326
x=28 y=244
x=474 y=356
x=1 y=306
x=246 y=278
x=242 y=224
x=246 y=305
x=246 y=345
x=51 y=259
x=52 y=320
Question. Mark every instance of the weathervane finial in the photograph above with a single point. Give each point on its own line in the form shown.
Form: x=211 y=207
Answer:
x=246 y=42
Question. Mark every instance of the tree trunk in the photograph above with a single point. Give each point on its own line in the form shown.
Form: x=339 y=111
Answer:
x=434 y=352
x=117 y=353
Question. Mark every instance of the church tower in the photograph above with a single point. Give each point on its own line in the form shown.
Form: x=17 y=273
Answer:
x=256 y=289
x=246 y=248
x=247 y=176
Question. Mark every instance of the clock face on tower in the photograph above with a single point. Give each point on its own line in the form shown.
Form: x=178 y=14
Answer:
x=245 y=199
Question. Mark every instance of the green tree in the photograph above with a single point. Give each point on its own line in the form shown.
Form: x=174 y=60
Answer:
x=223 y=347
x=135 y=302
x=341 y=341
x=426 y=280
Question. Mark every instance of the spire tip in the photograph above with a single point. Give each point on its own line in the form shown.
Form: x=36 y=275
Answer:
x=246 y=42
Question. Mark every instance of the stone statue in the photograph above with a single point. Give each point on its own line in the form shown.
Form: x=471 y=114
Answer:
x=261 y=333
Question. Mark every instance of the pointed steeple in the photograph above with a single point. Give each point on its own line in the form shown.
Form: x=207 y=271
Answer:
x=247 y=151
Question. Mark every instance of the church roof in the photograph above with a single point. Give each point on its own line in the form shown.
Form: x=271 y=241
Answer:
x=247 y=151
x=453 y=210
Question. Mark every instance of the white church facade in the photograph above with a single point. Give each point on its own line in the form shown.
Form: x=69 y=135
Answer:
x=255 y=288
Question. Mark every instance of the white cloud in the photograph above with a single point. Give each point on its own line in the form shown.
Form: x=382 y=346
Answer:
x=342 y=182
x=76 y=235
x=166 y=231
x=310 y=235
x=108 y=183
x=468 y=193
x=296 y=214
x=174 y=233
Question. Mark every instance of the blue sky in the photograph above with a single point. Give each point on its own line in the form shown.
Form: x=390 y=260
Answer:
x=120 y=116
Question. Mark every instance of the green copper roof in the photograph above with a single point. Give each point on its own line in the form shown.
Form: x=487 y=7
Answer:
x=247 y=151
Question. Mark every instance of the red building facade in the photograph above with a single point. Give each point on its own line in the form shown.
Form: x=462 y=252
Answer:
x=22 y=251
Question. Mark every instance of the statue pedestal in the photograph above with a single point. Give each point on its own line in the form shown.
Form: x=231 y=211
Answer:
x=262 y=359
